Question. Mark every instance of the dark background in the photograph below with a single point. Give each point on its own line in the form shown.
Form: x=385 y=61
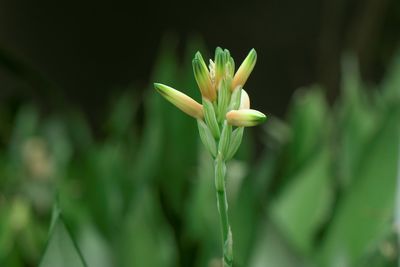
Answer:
x=84 y=52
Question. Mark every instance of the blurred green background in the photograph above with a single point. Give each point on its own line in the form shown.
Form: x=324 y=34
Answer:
x=96 y=169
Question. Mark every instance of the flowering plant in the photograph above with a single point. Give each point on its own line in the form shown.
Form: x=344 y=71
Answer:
x=221 y=118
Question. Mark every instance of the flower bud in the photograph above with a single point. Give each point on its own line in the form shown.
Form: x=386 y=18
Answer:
x=180 y=100
x=244 y=70
x=245 y=117
x=202 y=76
x=219 y=65
x=244 y=100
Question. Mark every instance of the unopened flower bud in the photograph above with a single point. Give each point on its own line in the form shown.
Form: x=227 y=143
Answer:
x=180 y=100
x=245 y=69
x=202 y=76
x=245 y=117
x=244 y=100
x=219 y=65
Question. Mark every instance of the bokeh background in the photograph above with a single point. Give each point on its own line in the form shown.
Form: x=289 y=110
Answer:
x=97 y=170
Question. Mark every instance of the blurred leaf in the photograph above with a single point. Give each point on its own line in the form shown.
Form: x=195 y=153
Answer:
x=201 y=214
x=61 y=249
x=153 y=136
x=181 y=138
x=121 y=115
x=367 y=208
x=310 y=126
x=79 y=131
x=305 y=202
x=391 y=83
x=248 y=209
x=106 y=170
x=271 y=250
x=144 y=237
x=95 y=248
x=356 y=123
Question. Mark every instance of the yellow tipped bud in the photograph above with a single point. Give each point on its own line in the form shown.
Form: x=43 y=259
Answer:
x=244 y=100
x=202 y=76
x=245 y=117
x=180 y=100
x=245 y=69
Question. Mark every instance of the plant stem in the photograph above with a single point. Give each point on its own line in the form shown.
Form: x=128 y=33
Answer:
x=220 y=184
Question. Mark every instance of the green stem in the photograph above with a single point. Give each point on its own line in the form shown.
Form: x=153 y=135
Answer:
x=220 y=170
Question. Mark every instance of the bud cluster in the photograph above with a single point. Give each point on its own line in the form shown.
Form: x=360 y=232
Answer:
x=225 y=104
x=221 y=119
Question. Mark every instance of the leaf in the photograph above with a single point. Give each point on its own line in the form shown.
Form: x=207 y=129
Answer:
x=248 y=208
x=61 y=249
x=122 y=113
x=95 y=248
x=309 y=121
x=366 y=210
x=271 y=250
x=179 y=138
x=144 y=237
x=305 y=202
x=391 y=82
x=356 y=122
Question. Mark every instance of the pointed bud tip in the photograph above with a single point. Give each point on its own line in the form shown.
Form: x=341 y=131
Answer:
x=245 y=117
x=245 y=69
x=262 y=118
x=161 y=88
x=198 y=56
x=252 y=56
x=218 y=50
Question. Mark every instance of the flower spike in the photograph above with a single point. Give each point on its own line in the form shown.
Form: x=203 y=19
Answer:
x=245 y=117
x=225 y=104
x=245 y=69
x=180 y=100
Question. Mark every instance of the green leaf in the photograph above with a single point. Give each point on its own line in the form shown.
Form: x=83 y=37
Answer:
x=61 y=250
x=366 y=210
x=305 y=202
x=357 y=118
x=391 y=83
x=144 y=236
x=95 y=249
x=121 y=115
x=271 y=250
x=310 y=125
x=249 y=205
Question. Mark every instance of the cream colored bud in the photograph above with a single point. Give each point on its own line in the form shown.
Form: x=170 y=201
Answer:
x=180 y=100
x=245 y=117
x=244 y=100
